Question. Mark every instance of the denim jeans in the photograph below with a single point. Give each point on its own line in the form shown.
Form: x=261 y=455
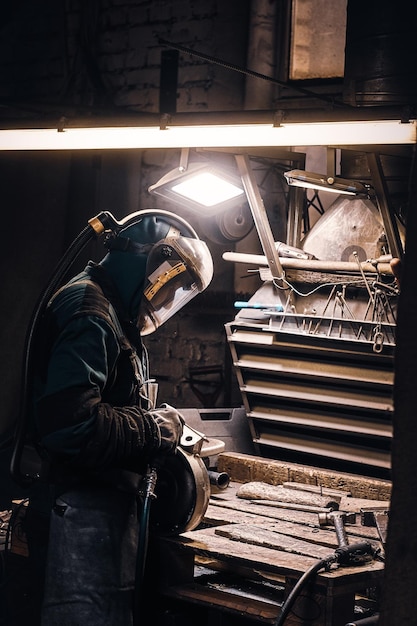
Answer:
x=91 y=564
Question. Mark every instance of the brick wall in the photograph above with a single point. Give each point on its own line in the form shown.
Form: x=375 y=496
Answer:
x=105 y=55
x=102 y=57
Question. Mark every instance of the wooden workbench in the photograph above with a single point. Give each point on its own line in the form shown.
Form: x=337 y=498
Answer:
x=242 y=562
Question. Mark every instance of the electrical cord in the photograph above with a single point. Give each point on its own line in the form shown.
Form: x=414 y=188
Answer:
x=249 y=72
x=305 y=578
x=27 y=372
x=354 y=554
x=105 y=220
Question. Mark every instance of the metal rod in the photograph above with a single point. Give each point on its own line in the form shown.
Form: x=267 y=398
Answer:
x=371 y=296
x=372 y=267
x=295 y=216
x=260 y=218
x=387 y=214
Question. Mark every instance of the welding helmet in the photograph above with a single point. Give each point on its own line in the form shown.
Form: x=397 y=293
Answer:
x=177 y=269
x=159 y=264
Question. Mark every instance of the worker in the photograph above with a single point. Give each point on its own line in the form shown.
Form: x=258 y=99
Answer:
x=98 y=425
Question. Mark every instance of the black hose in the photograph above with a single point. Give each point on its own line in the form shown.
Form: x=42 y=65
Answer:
x=352 y=554
x=148 y=496
x=295 y=591
x=102 y=222
x=61 y=269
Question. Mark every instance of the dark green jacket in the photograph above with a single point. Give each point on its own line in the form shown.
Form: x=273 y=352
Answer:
x=90 y=410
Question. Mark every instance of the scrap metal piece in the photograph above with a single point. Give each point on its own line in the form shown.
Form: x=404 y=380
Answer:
x=376 y=517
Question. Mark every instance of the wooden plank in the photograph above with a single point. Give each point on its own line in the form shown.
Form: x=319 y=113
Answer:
x=210 y=545
x=293 y=506
x=217 y=514
x=354 y=532
x=317 y=489
x=347 y=502
x=356 y=504
x=291 y=515
x=257 y=490
x=268 y=543
x=353 y=528
x=225 y=600
x=226 y=494
x=206 y=543
x=262 y=512
x=258 y=536
x=234 y=513
x=244 y=468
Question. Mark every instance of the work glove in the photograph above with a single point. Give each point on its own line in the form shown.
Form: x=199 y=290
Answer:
x=170 y=424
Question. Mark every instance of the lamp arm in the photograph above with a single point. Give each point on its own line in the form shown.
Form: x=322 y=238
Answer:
x=260 y=218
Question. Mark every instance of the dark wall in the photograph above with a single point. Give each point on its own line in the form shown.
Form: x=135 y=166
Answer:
x=47 y=201
x=61 y=59
x=104 y=56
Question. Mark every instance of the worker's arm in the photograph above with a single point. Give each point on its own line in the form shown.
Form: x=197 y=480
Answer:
x=75 y=425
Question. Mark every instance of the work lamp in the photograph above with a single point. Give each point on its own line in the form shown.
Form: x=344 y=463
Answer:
x=200 y=187
x=323 y=182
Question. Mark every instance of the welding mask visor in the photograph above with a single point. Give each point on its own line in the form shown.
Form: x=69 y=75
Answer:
x=177 y=269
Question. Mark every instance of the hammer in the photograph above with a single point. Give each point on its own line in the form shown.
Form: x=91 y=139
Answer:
x=355 y=554
x=338 y=519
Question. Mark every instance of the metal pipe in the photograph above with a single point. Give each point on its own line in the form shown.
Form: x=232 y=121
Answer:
x=387 y=212
x=260 y=218
x=373 y=267
x=220 y=480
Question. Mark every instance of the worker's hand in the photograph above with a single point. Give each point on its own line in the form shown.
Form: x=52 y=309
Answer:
x=170 y=423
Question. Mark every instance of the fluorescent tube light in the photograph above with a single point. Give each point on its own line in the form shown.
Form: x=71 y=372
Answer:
x=385 y=132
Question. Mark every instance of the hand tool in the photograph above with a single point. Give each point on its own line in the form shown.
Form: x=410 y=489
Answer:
x=338 y=519
x=354 y=554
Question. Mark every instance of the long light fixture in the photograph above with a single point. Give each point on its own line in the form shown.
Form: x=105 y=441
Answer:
x=73 y=137
x=323 y=182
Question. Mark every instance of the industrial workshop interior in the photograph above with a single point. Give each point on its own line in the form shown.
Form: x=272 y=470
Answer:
x=282 y=133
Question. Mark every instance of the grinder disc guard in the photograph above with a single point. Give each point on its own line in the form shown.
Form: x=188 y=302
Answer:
x=182 y=494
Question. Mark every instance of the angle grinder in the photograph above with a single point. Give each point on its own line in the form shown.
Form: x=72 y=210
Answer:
x=182 y=490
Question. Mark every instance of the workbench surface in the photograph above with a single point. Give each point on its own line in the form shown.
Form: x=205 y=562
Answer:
x=247 y=556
